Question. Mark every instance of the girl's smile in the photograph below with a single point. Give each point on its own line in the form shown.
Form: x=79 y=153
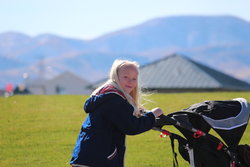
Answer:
x=127 y=76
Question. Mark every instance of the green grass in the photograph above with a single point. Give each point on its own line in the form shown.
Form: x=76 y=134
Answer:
x=41 y=130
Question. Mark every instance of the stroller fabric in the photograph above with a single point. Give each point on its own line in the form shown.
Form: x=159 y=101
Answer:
x=244 y=154
x=228 y=118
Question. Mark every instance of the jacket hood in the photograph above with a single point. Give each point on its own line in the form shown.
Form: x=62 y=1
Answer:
x=101 y=96
x=94 y=102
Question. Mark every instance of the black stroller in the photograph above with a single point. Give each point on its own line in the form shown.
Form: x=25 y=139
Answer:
x=201 y=149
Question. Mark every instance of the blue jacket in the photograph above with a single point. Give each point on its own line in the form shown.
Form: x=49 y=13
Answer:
x=101 y=142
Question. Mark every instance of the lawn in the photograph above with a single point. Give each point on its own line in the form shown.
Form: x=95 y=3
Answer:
x=41 y=130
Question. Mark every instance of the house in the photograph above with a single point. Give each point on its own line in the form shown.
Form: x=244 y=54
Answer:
x=176 y=73
x=65 y=83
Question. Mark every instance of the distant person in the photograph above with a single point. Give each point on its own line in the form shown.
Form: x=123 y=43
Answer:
x=114 y=111
x=8 y=90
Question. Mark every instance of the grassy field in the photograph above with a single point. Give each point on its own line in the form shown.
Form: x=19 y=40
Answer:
x=41 y=130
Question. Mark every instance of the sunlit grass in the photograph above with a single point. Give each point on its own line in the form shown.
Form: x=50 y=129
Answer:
x=42 y=130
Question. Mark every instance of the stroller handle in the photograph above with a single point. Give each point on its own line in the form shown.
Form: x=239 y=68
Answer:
x=166 y=120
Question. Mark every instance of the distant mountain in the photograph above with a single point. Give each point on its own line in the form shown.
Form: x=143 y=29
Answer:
x=176 y=32
x=221 y=42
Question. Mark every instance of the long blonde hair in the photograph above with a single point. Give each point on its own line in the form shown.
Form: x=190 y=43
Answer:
x=134 y=97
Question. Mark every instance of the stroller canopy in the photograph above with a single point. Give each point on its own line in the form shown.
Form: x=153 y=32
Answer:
x=228 y=118
x=231 y=115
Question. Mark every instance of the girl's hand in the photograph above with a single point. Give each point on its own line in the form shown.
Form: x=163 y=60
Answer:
x=157 y=111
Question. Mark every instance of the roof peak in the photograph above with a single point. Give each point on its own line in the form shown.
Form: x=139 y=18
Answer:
x=178 y=71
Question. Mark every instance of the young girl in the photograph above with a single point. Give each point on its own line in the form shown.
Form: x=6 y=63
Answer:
x=114 y=111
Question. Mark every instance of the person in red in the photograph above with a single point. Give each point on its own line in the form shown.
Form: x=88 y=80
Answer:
x=114 y=111
x=9 y=89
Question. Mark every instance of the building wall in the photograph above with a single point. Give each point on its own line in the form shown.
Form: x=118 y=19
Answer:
x=66 y=83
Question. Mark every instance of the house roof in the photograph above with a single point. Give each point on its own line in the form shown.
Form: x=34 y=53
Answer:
x=65 y=83
x=69 y=76
x=179 y=72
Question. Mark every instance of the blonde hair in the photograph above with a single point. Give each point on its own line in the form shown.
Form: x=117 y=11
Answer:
x=134 y=97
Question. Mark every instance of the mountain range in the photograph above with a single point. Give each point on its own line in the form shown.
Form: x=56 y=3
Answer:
x=221 y=42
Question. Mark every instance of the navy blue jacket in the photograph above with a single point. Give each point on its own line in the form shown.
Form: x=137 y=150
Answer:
x=101 y=142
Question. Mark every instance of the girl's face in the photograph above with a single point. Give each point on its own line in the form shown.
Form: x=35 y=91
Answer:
x=128 y=77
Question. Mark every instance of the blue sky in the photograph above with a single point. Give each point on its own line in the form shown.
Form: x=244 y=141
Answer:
x=88 y=19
